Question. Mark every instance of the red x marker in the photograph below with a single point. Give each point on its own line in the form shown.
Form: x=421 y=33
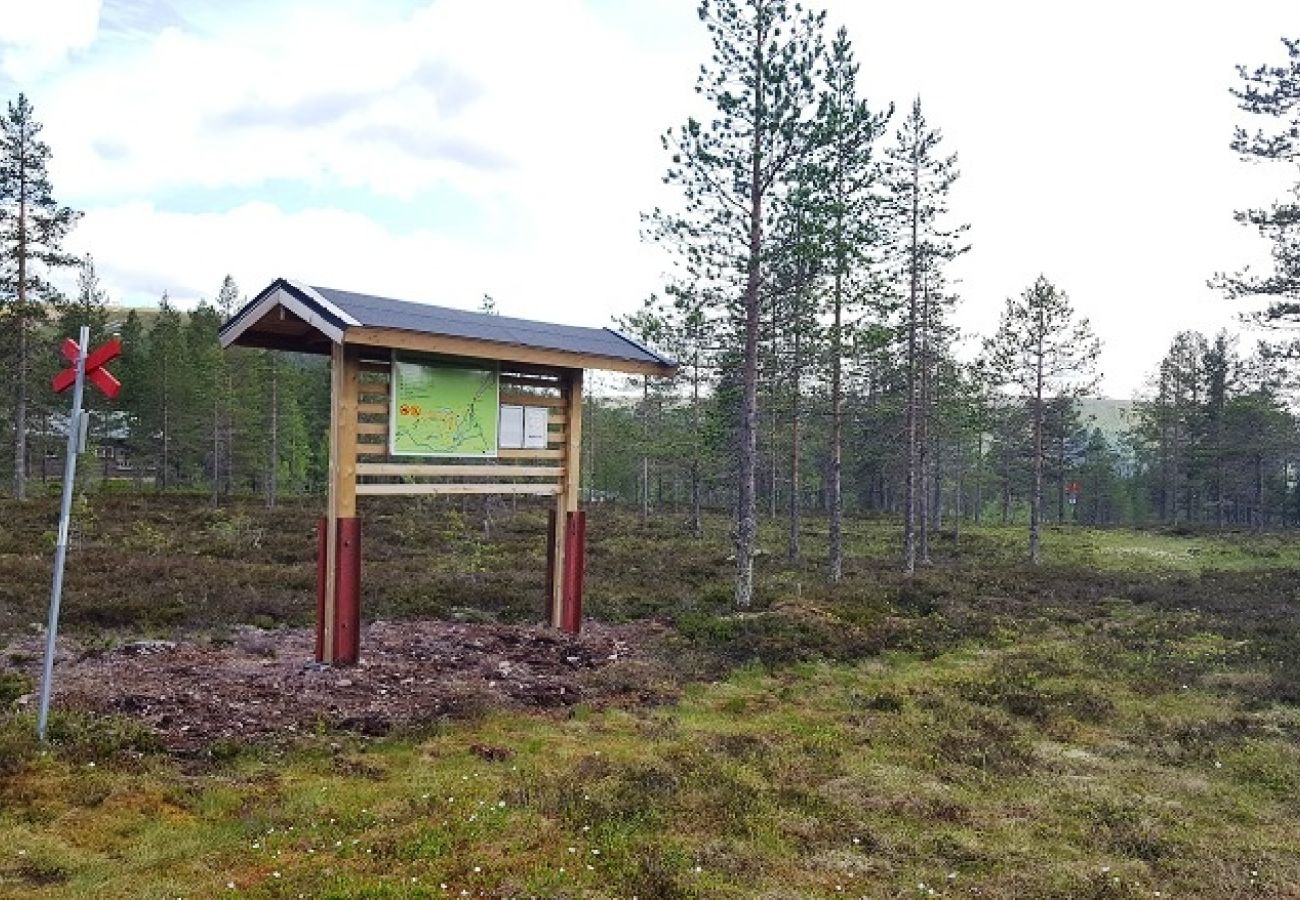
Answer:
x=95 y=371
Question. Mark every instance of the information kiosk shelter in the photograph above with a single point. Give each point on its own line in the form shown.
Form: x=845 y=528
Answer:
x=430 y=400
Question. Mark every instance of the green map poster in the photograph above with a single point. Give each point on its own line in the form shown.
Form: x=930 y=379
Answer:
x=443 y=410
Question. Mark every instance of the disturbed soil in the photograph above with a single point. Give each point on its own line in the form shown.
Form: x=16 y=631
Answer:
x=262 y=685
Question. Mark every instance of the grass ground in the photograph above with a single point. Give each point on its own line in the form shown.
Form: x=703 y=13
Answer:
x=1122 y=722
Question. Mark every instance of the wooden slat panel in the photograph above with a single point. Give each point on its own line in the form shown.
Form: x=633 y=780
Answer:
x=373 y=409
x=432 y=488
x=418 y=470
x=375 y=366
x=533 y=400
x=372 y=428
x=530 y=454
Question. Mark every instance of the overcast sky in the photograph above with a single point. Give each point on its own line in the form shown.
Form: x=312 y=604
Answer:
x=442 y=150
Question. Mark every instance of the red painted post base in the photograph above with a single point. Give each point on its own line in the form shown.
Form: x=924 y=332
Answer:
x=347 y=592
x=575 y=568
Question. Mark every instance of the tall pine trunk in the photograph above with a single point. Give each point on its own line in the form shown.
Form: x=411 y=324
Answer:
x=20 y=387
x=910 y=500
x=792 y=549
x=697 y=519
x=746 y=513
x=923 y=425
x=1036 y=502
x=836 y=488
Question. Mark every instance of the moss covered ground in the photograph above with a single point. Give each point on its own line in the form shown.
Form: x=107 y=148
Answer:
x=1123 y=721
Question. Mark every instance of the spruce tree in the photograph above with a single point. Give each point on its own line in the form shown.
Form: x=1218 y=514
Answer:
x=32 y=229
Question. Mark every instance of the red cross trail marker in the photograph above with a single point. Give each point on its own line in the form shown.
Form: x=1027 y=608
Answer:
x=85 y=364
x=95 y=371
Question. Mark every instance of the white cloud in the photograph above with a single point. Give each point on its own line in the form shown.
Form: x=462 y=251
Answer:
x=37 y=37
x=541 y=116
x=141 y=252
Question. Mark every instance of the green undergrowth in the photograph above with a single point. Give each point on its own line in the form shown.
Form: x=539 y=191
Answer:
x=1120 y=721
x=1060 y=764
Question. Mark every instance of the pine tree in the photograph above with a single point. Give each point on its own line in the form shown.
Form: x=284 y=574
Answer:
x=919 y=182
x=761 y=84
x=1042 y=349
x=32 y=229
x=795 y=267
x=847 y=131
x=1272 y=92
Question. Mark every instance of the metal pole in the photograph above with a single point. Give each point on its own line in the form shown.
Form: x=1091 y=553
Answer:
x=65 y=516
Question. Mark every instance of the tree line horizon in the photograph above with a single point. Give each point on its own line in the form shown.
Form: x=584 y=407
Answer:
x=809 y=304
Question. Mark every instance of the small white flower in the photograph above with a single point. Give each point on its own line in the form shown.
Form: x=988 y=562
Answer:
x=275 y=874
x=478 y=869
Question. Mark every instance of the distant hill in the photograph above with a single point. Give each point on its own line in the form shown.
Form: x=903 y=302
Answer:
x=1110 y=415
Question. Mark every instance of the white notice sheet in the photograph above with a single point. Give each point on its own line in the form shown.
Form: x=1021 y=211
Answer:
x=536 y=419
x=511 y=433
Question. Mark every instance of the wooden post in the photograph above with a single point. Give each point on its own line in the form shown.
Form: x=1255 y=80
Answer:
x=341 y=505
x=555 y=552
x=574 y=545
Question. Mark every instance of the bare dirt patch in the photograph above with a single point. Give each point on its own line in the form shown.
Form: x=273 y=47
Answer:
x=263 y=685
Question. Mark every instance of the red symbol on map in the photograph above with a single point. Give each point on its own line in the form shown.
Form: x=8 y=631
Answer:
x=95 y=371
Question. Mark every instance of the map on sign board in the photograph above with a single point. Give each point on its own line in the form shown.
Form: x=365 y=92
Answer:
x=443 y=410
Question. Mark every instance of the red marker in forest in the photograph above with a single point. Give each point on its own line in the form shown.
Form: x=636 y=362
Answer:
x=95 y=371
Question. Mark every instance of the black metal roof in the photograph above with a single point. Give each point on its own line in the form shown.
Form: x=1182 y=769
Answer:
x=344 y=309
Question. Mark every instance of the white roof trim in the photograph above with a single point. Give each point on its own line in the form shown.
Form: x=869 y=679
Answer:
x=281 y=297
x=319 y=298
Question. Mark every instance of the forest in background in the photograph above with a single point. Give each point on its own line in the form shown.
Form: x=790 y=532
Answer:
x=809 y=303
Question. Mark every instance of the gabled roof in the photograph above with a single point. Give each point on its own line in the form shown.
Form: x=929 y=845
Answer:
x=288 y=315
